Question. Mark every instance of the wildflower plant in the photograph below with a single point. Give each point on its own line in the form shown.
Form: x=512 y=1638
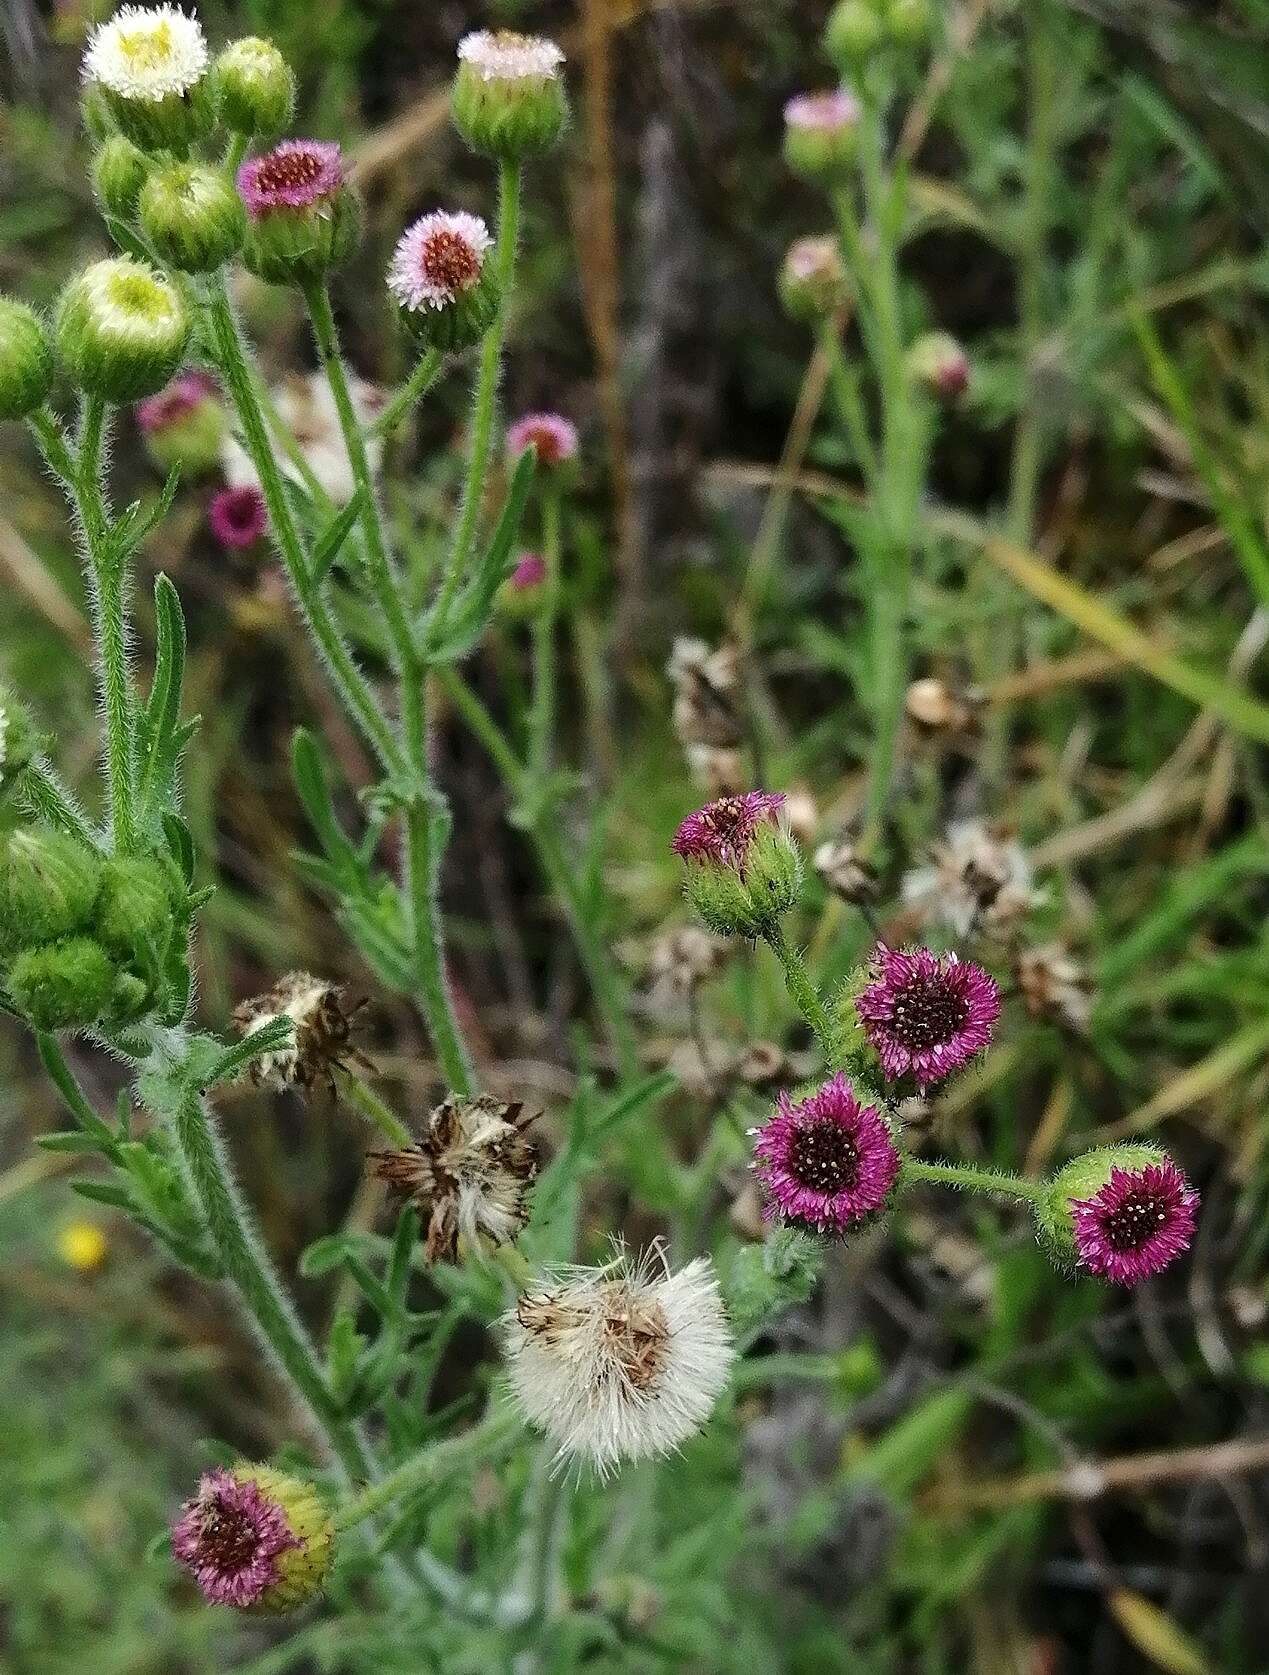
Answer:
x=604 y=1363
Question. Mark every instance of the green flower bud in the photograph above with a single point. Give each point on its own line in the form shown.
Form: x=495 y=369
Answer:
x=508 y=97
x=26 y=360
x=939 y=365
x=303 y=218
x=910 y=21
x=48 y=885
x=119 y=171
x=763 y=1280
x=256 y=87
x=854 y=32
x=813 y=284
x=122 y=329
x=62 y=985
x=96 y=115
x=137 y=906
x=192 y=216
x=18 y=739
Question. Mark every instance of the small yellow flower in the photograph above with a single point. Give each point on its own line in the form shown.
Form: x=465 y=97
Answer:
x=83 y=1246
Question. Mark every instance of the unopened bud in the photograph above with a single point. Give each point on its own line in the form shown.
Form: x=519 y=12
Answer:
x=49 y=882
x=122 y=329
x=940 y=366
x=26 y=360
x=820 y=135
x=62 y=985
x=256 y=87
x=192 y=216
x=119 y=171
x=813 y=284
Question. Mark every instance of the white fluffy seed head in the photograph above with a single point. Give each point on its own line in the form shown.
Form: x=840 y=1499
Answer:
x=621 y=1362
x=503 y=56
x=147 y=53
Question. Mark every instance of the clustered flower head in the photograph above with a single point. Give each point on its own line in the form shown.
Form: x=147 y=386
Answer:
x=122 y=329
x=184 y=424
x=724 y=831
x=238 y=516
x=508 y=97
x=182 y=397
x=820 y=134
x=1120 y=1212
x=551 y=435
x=321 y=1041
x=927 y=1014
x=254 y=1538
x=294 y=175
x=620 y=1362
x=469 y=1172
x=828 y=1162
x=147 y=53
x=1141 y=1220
x=441 y=277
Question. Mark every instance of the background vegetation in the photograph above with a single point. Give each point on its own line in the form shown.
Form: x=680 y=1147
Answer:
x=947 y=1458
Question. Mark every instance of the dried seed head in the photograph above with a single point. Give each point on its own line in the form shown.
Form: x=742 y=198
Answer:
x=469 y=1173
x=706 y=694
x=623 y=1362
x=321 y=1042
x=680 y=960
x=1055 y=985
x=940 y=709
x=979 y=879
x=846 y=872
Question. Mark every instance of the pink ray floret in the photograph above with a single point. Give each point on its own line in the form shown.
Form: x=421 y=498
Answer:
x=1141 y=1220
x=293 y=175
x=826 y=111
x=229 y=1536
x=529 y=572
x=181 y=397
x=827 y=1162
x=927 y=1014
x=723 y=830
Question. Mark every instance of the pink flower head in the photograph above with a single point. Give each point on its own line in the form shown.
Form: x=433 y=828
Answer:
x=927 y=1013
x=826 y=1162
x=238 y=516
x=723 y=830
x=229 y=1536
x=828 y=112
x=554 y=437
x=1141 y=1220
x=437 y=258
x=181 y=397
x=293 y=175
x=529 y=572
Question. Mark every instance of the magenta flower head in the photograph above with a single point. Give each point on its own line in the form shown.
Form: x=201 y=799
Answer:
x=552 y=436
x=819 y=134
x=529 y=572
x=927 y=1013
x=442 y=280
x=238 y=516
x=742 y=868
x=826 y=1163
x=184 y=425
x=303 y=219
x=255 y=1538
x=294 y=175
x=1121 y=1212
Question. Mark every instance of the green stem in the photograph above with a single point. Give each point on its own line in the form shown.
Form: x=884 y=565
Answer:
x=411 y=392
x=422 y=865
x=545 y=625
x=108 y=563
x=249 y=1270
x=802 y=992
x=973 y=1180
x=375 y=1109
x=354 y=691
x=43 y=795
x=561 y=875
x=545 y=1525
x=486 y=399
x=478 y=1446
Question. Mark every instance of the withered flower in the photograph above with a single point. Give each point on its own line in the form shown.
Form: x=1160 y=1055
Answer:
x=1054 y=985
x=321 y=1042
x=469 y=1173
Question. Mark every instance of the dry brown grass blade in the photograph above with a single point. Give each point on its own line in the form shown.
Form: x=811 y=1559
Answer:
x=33 y=581
x=1197 y=1083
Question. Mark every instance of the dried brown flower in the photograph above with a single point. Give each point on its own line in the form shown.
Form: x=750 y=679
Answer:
x=469 y=1173
x=321 y=1041
x=1055 y=985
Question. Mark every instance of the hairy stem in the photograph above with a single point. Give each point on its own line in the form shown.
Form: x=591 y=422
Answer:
x=973 y=1180
x=350 y=684
x=411 y=392
x=486 y=399
x=803 y=993
x=545 y=623
x=422 y=865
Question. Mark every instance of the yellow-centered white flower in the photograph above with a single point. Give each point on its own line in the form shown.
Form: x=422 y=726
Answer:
x=147 y=53
x=621 y=1362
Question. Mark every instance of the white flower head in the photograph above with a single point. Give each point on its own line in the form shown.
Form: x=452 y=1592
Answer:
x=437 y=258
x=147 y=53
x=620 y=1362
x=502 y=55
